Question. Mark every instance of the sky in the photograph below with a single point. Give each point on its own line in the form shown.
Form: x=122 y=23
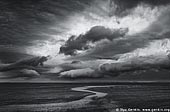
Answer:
x=83 y=29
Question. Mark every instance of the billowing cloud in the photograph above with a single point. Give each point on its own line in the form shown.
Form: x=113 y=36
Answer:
x=128 y=35
x=121 y=8
x=156 y=30
x=80 y=73
x=137 y=63
x=24 y=21
x=95 y=34
x=22 y=68
x=25 y=73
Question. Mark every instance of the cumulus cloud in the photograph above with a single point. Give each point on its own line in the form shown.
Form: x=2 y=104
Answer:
x=137 y=63
x=27 y=73
x=156 y=48
x=121 y=8
x=23 y=68
x=80 y=73
x=157 y=29
x=95 y=34
x=95 y=27
x=30 y=73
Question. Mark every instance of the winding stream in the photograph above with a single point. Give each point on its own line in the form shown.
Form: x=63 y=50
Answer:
x=60 y=106
x=85 y=89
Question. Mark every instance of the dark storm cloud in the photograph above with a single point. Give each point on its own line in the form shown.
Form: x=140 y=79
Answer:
x=123 y=5
x=95 y=34
x=22 y=22
x=159 y=29
x=117 y=47
x=112 y=49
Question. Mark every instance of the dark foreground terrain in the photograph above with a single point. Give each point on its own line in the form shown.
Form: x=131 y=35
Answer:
x=20 y=97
